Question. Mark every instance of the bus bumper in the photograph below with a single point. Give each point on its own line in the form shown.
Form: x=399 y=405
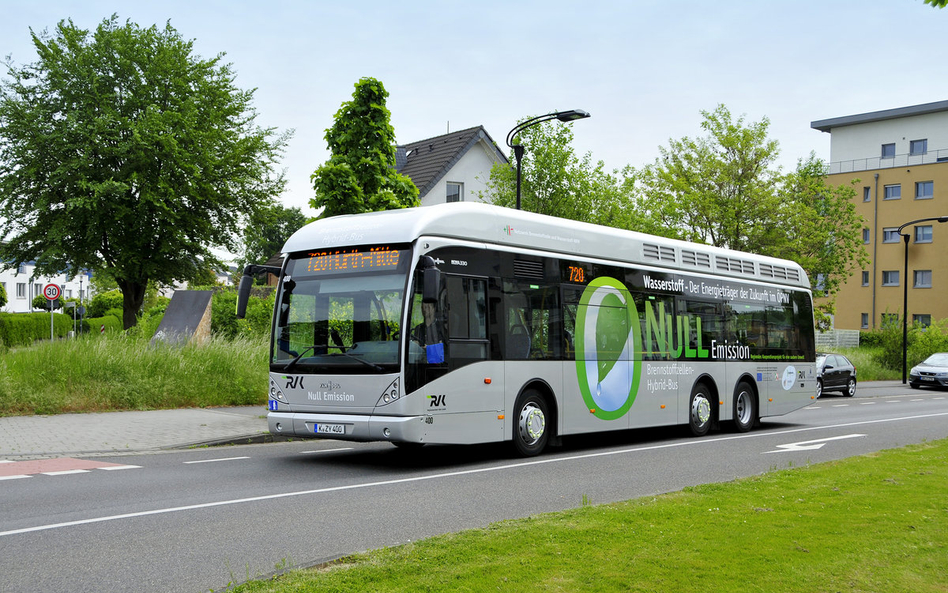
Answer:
x=348 y=427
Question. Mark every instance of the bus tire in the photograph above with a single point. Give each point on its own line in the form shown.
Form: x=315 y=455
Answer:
x=531 y=431
x=745 y=407
x=700 y=415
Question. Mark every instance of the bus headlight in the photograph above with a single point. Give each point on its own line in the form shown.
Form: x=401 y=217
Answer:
x=276 y=394
x=391 y=394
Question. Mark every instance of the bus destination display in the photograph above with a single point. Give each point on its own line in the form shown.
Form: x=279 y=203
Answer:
x=341 y=261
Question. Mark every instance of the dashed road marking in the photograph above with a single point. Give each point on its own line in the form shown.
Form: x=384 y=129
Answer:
x=12 y=470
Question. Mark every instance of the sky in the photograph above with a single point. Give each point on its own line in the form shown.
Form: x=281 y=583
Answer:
x=643 y=69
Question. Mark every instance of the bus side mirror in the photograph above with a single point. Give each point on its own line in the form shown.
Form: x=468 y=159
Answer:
x=431 y=285
x=243 y=295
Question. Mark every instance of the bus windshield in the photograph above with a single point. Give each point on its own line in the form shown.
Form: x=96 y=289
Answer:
x=339 y=321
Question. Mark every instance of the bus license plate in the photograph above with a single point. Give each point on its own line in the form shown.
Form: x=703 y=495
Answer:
x=330 y=429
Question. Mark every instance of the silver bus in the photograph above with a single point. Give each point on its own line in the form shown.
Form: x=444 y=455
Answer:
x=470 y=323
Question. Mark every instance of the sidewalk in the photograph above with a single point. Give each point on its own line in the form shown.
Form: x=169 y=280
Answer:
x=111 y=433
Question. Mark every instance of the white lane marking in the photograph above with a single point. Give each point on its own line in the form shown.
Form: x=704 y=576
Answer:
x=66 y=472
x=867 y=403
x=17 y=477
x=483 y=470
x=215 y=460
x=811 y=445
x=113 y=468
x=326 y=450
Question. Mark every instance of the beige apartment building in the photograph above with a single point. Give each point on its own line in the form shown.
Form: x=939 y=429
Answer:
x=900 y=159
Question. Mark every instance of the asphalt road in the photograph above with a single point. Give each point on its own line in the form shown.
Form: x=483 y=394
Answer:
x=199 y=520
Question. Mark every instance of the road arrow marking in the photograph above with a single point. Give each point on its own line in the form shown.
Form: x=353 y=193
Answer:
x=811 y=445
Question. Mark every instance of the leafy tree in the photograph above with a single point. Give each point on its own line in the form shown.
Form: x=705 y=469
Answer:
x=556 y=182
x=724 y=189
x=937 y=3
x=41 y=302
x=820 y=230
x=360 y=175
x=123 y=152
x=3 y=296
x=266 y=232
x=718 y=189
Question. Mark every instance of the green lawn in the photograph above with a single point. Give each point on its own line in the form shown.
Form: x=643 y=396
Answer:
x=877 y=523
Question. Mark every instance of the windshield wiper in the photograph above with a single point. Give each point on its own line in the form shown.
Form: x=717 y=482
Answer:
x=362 y=360
x=293 y=362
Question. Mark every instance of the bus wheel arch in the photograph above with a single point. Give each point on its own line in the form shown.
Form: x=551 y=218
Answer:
x=702 y=406
x=534 y=419
x=746 y=405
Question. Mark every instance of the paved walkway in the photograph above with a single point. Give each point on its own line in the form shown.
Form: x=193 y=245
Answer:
x=35 y=437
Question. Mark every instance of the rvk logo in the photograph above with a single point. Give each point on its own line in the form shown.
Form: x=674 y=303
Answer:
x=437 y=401
x=294 y=382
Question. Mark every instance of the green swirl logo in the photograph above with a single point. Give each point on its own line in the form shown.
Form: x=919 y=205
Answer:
x=607 y=330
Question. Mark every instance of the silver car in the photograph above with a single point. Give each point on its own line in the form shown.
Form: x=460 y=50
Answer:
x=931 y=371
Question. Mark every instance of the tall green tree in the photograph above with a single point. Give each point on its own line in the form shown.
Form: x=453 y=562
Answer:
x=719 y=188
x=725 y=189
x=557 y=182
x=360 y=175
x=267 y=231
x=122 y=151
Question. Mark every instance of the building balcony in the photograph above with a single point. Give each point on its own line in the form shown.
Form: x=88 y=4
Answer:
x=899 y=160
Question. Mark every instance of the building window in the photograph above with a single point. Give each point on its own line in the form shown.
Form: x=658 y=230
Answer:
x=922 y=319
x=924 y=190
x=21 y=290
x=37 y=289
x=890 y=278
x=865 y=236
x=865 y=278
x=866 y=196
x=890 y=235
x=893 y=192
x=67 y=294
x=864 y=322
x=888 y=151
x=923 y=279
x=923 y=234
x=918 y=147
x=455 y=192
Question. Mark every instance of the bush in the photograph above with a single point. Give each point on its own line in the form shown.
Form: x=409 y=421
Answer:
x=94 y=325
x=104 y=301
x=921 y=343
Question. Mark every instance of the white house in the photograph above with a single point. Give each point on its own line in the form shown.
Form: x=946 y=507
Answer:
x=22 y=285
x=454 y=167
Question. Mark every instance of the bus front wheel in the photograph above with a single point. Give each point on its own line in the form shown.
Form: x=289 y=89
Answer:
x=531 y=432
x=699 y=412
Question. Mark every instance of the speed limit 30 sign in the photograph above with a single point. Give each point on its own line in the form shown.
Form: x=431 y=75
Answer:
x=51 y=291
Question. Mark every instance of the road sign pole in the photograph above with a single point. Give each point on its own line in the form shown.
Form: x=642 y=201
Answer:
x=51 y=292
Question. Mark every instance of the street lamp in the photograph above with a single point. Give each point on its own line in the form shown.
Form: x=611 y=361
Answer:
x=905 y=281
x=564 y=116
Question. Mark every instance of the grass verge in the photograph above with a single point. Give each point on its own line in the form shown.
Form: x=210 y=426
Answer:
x=866 y=524
x=97 y=374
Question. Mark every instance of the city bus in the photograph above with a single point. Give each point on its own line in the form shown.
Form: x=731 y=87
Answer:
x=468 y=323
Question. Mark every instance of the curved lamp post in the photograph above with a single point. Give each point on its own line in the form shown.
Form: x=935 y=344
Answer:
x=905 y=240
x=564 y=116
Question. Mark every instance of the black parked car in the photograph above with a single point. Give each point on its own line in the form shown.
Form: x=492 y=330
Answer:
x=835 y=372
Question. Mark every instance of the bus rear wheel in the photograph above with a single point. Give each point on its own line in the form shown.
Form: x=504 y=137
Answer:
x=699 y=411
x=745 y=408
x=531 y=432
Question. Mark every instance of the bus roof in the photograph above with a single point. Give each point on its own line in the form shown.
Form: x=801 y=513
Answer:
x=496 y=225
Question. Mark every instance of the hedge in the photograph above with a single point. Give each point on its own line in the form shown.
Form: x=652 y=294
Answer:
x=21 y=329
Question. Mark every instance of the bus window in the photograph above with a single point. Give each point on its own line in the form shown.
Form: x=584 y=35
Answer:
x=467 y=320
x=656 y=318
x=532 y=314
